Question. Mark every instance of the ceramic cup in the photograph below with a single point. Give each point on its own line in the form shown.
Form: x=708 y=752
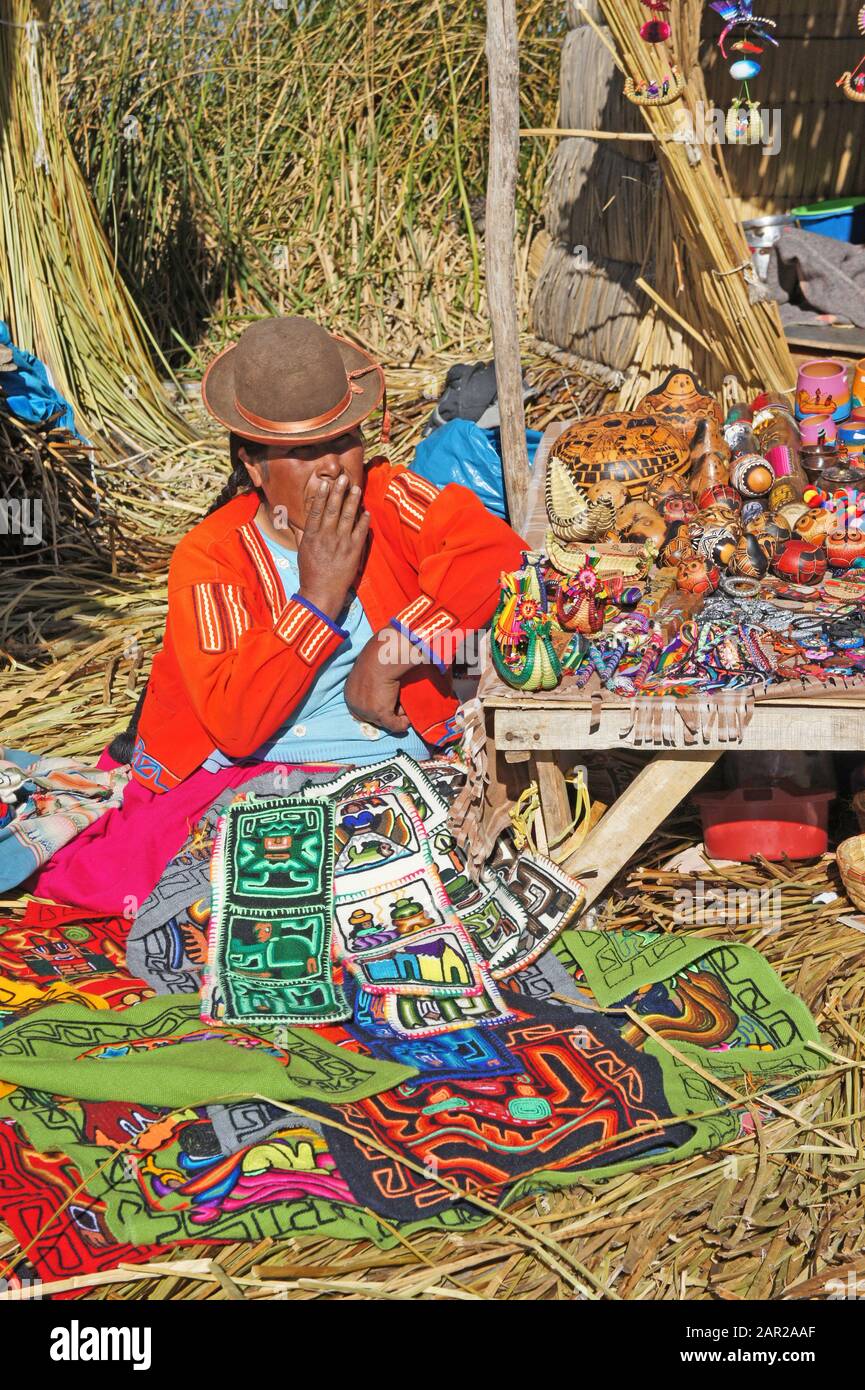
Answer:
x=858 y=411
x=817 y=429
x=822 y=388
x=852 y=436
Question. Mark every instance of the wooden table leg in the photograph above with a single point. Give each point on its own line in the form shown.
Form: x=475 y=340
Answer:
x=653 y=794
x=553 y=792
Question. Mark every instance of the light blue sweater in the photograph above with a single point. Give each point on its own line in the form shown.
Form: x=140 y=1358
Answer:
x=322 y=729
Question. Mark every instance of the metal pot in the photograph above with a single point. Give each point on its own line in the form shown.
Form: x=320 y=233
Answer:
x=761 y=234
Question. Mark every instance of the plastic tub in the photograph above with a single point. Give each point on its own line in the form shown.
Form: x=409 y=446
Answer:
x=773 y=821
x=843 y=219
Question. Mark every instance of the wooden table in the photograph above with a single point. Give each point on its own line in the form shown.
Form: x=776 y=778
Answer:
x=550 y=729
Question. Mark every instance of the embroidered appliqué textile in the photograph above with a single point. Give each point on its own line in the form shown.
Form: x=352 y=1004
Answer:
x=271 y=925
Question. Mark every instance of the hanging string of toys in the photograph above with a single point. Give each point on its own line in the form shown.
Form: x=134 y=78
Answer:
x=854 y=82
x=751 y=32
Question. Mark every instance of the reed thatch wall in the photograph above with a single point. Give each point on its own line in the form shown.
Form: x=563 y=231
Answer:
x=591 y=309
x=600 y=205
x=591 y=99
x=822 y=151
x=598 y=198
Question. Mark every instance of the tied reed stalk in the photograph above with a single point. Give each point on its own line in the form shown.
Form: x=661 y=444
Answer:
x=59 y=287
x=701 y=258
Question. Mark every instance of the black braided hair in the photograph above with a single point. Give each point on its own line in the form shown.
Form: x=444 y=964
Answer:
x=238 y=479
x=122 y=746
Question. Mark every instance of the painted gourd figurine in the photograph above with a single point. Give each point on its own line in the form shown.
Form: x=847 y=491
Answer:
x=676 y=506
x=815 y=526
x=753 y=510
x=783 y=492
x=749 y=560
x=801 y=562
x=710 y=459
x=638 y=523
x=635 y=450
x=695 y=576
x=752 y=475
x=770 y=533
x=663 y=487
x=681 y=403
x=717 y=543
x=678 y=546
x=721 y=495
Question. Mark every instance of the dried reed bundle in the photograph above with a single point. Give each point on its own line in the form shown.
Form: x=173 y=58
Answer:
x=59 y=286
x=706 y=272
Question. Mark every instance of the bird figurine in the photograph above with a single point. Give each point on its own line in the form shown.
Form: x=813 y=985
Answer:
x=739 y=14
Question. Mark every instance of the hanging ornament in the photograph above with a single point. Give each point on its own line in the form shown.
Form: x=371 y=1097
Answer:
x=853 y=82
x=655 y=92
x=738 y=14
x=655 y=31
x=744 y=69
x=750 y=33
x=744 y=125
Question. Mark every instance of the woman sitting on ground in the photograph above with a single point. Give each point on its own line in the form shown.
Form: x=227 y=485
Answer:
x=314 y=613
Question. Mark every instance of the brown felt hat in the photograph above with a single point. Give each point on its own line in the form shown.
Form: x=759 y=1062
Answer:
x=289 y=380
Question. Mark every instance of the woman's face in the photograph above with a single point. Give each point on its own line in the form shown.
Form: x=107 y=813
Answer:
x=290 y=475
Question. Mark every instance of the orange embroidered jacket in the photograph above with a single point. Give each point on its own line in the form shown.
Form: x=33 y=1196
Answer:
x=239 y=654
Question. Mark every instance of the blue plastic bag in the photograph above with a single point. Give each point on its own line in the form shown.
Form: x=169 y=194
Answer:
x=28 y=392
x=461 y=452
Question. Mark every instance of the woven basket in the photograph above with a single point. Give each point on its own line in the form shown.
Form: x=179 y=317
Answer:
x=846 y=81
x=611 y=557
x=851 y=865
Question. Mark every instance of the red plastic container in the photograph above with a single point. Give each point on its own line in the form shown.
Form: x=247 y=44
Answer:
x=774 y=821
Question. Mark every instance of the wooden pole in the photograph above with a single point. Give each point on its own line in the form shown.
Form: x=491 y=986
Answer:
x=504 y=71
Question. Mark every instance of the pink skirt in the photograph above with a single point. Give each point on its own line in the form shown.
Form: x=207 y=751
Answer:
x=113 y=865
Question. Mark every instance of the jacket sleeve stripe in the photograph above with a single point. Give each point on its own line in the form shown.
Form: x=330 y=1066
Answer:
x=410 y=502
x=265 y=568
x=419 y=487
x=439 y=621
x=319 y=634
x=235 y=608
x=414 y=611
x=292 y=621
x=301 y=628
x=209 y=619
